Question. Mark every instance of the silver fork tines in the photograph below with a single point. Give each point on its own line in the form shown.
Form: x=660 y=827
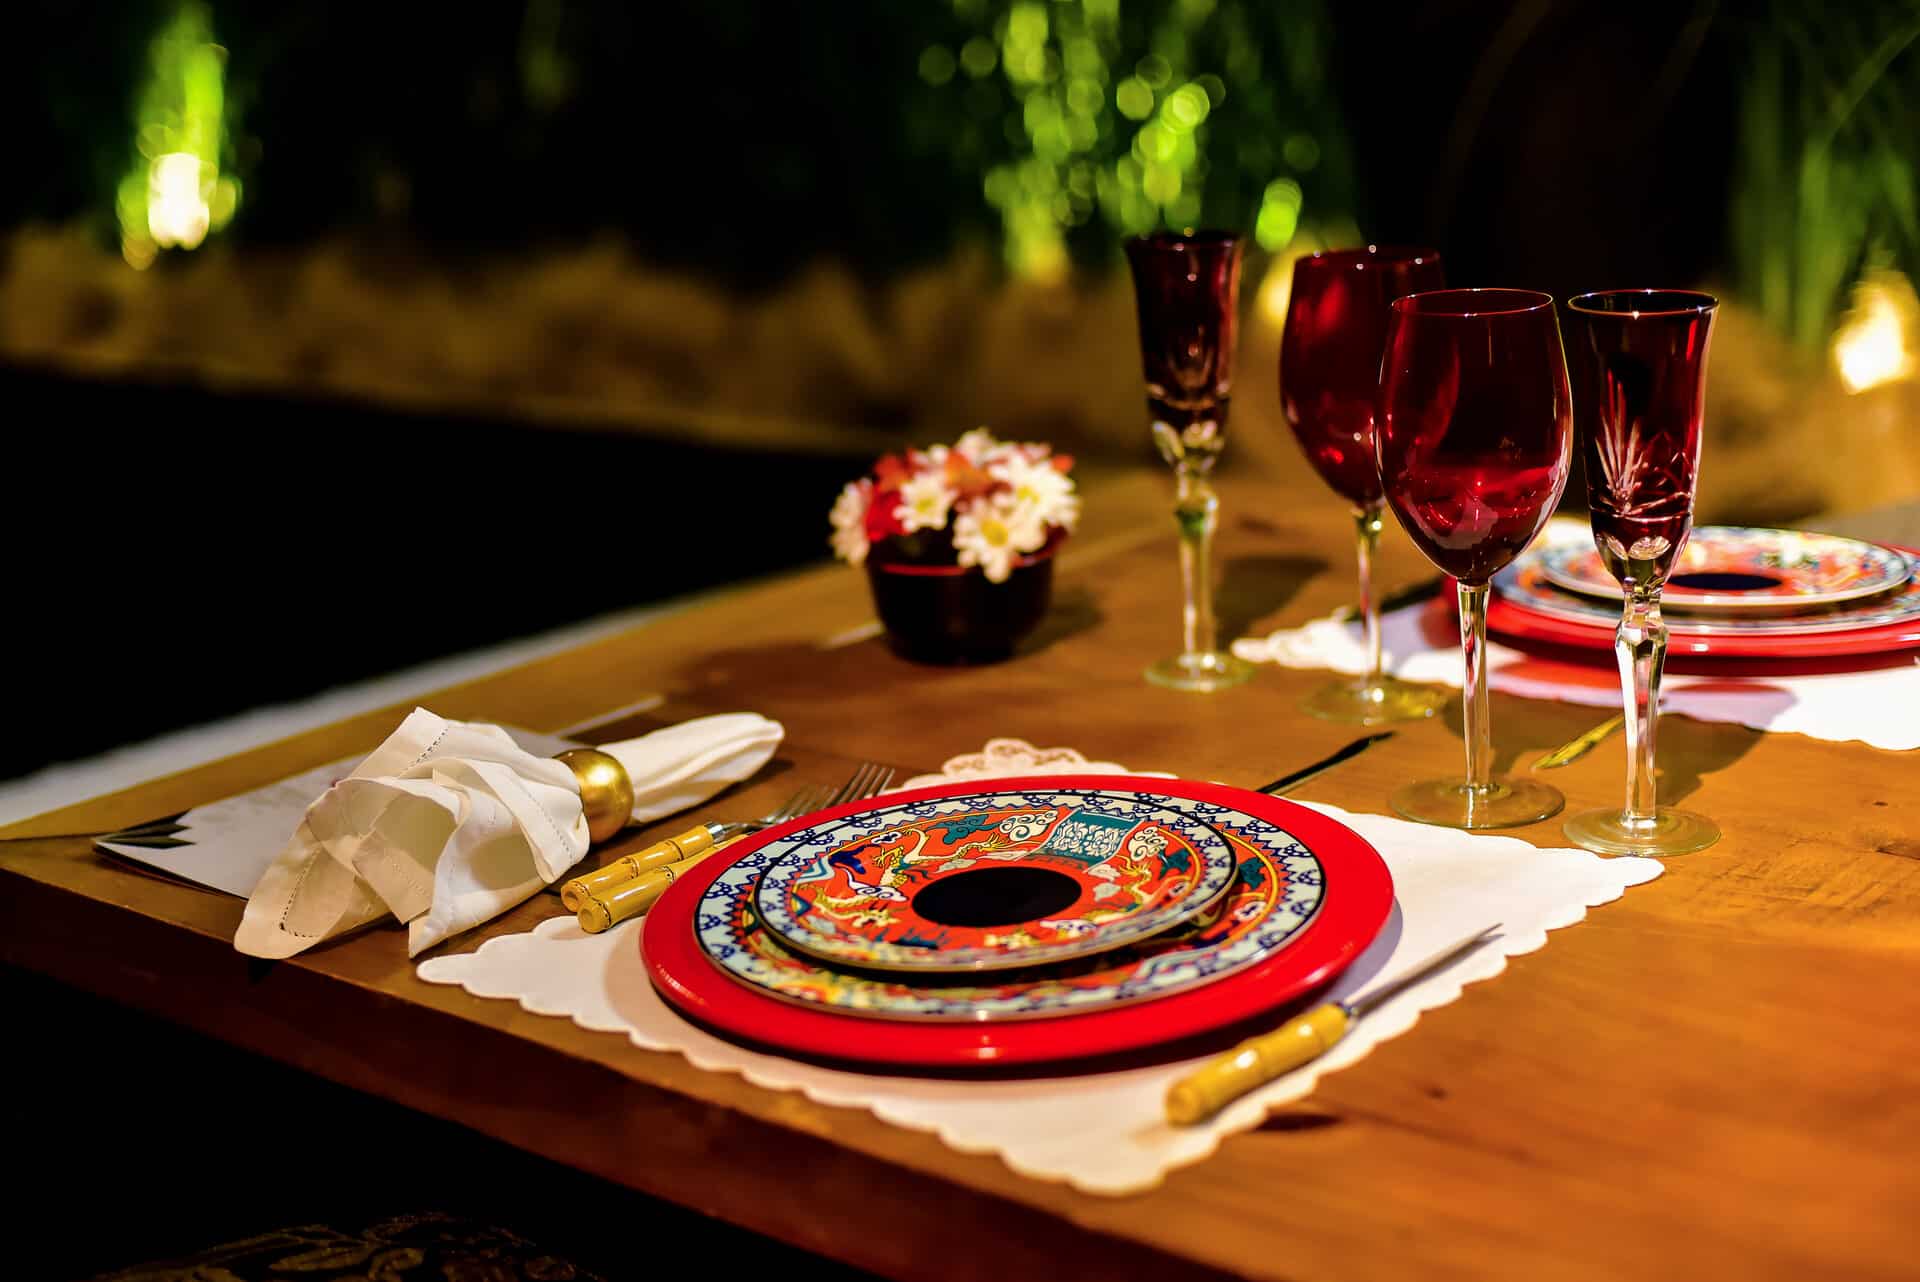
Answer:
x=807 y=800
x=865 y=781
x=869 y=778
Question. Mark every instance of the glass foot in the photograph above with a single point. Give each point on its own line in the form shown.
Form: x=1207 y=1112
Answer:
x=1361 y=703
x=1504 y=803
x=1669 y=832
x=1214 y=670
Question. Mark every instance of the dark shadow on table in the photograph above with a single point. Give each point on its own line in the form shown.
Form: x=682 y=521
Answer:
x=1253 y=587
x=1074 y=610
x=1514 y=744
x=1687 y=751
x=806 y=672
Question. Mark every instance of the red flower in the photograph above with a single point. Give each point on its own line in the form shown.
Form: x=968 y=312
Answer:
x=883 y=517
x=969 y=481
x=890 y=473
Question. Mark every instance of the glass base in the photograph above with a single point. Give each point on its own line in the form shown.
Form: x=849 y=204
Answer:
x=1358 y=702
x=1670 y=832
x=1506 y=803
x=1201 y=671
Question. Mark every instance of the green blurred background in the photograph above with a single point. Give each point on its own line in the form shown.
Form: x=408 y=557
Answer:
x=275 y=280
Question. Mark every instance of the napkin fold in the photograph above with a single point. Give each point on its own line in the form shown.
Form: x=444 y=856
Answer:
x=448 y=824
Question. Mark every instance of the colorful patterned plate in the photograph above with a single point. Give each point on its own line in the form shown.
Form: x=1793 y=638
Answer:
x=1734 y=569
x=996 y=879
x=1356 y=898
x=1275 y=893
x=1525 y=603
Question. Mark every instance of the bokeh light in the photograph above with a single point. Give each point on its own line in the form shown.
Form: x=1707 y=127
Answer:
x=175 y=193
x=1112 y=122
x=1876 y=342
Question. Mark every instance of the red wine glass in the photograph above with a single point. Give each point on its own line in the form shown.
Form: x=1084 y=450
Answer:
x=1187 y=289
x=1473 y=439
x=1639 y=365
x=1329 y=385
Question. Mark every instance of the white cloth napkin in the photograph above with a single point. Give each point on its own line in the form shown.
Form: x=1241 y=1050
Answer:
x=1880 y=706
x=448 y=824
x=1100 y=1132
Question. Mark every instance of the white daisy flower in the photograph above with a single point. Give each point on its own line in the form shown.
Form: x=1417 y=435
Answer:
x=925 y=501
x=995 y=533
x=976 y=445
x=850 y=521
x=1045 y=489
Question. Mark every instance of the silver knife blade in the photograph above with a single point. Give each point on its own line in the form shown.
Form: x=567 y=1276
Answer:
x=1361 y=1005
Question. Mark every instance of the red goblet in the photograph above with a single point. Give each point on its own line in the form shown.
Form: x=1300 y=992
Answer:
x=1187 y=289
x=1329 y=385
x=1639 y=364
x=1473 y=438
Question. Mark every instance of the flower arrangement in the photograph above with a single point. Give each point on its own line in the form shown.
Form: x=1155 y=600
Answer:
x=980 y=502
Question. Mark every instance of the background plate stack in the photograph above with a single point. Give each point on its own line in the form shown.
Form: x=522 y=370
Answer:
x=1736 y=592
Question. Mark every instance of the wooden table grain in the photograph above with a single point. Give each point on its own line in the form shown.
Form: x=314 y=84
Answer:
x=1717 y=1076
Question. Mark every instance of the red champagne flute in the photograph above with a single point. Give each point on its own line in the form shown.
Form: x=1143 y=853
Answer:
x=1187 y=290
x=1473 y=438
x=1639 y=365
x=1329 y=385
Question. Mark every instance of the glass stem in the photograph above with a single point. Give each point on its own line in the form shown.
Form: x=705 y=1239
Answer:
x=1640 y=648
x=1473 y=642
x=1366 y=524
x=1196 y=509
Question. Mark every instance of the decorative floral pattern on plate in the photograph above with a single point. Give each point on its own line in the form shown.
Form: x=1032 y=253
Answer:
x=1741 y=569
x=1525 y=584
x=991 y=880
x=1276 y=891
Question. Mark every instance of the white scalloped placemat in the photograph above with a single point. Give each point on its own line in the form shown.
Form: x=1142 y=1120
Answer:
x=1102 y=1133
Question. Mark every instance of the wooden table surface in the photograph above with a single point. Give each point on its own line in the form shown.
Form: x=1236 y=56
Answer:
x=1716 y=1076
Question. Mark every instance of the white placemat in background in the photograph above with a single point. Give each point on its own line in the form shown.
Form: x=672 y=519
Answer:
x=1879 y=707
x=1103 y=1132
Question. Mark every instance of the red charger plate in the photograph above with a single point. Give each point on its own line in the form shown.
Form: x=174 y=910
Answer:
x=1357 y=900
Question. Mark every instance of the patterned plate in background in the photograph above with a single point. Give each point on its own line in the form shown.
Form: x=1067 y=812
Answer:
x=1734 y=569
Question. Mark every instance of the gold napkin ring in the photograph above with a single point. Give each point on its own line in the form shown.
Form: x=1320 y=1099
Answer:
x=605 y=790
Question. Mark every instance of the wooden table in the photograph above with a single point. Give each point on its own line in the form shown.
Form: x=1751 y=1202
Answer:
x=1713 y=1077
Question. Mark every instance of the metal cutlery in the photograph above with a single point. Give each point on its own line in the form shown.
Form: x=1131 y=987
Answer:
x=1581 y=744
x=1300 y=1040
x=605 y=898
x=1287 y=782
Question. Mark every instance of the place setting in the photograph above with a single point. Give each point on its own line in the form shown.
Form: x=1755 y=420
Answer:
x=1092 y=971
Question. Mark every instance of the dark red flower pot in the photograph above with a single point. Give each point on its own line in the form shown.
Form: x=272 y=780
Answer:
x=955 y=614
